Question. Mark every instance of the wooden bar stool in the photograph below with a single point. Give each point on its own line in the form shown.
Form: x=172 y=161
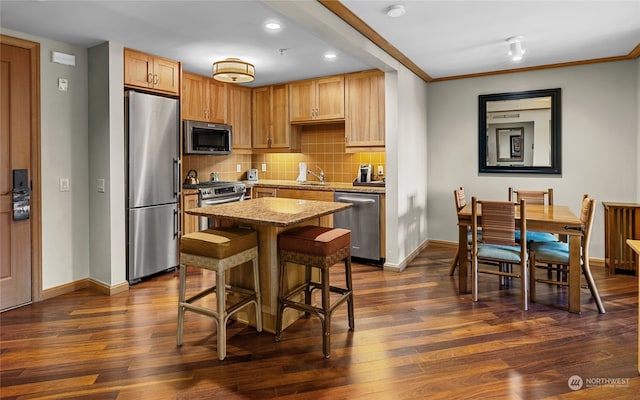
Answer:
x=315 y=247
x=219 y=250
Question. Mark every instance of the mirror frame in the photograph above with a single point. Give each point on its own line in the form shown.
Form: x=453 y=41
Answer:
x=556 y=134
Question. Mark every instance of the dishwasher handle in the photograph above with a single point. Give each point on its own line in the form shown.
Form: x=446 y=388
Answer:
x=354 y=200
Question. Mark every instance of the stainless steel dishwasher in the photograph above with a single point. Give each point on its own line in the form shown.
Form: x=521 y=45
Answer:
x=363 y=219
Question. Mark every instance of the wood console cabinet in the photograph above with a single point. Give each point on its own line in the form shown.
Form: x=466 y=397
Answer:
x=621 y=222
x=316 y=100
x=270 y=122
x=203 y=99
x=365 y=111
x=150 y=72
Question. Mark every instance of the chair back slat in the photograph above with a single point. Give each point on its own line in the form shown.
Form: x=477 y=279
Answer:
x=459 y=198
x=541 y=197
x=498 y=222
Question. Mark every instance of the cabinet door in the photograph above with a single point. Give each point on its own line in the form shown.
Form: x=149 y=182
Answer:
x=216 y=100
x=261 y=121
x=239 y=115
x=280 y=128
x=364 y=116
x=192 y=98
x=330 y=98
x=138 y=69
x=263 y=192
x=189 y=222
x=166 y=75
x=302 y=101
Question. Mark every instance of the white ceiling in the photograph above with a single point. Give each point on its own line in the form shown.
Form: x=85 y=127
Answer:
x=443 y=38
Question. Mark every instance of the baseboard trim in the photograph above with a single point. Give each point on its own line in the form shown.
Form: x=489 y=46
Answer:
x=404 y=263
x=84 y=284
x=64 y=289
x=106 y=289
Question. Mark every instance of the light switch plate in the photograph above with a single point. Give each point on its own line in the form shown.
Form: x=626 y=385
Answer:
x=264 y=167
x=65 y=186
x=100 y=185
x=63 y=84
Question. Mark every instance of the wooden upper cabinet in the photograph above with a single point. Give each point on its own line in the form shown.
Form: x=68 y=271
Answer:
x=365 y=111
x=317 y=100
x=151 y=72
x=239 y=115
x=203 y=99
x=271 y=129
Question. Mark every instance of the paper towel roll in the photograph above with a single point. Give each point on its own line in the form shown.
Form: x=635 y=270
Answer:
x=302 y=176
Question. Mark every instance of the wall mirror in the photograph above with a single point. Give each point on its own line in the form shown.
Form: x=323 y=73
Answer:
x=520 y=132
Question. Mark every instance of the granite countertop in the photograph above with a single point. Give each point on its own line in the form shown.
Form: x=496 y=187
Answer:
x=311 y=185
x=274 y=211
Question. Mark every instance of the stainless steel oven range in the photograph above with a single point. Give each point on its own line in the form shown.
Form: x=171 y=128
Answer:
x=216 y=192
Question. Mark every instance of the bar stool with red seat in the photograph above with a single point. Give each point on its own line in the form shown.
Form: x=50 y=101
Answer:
x=321 y=248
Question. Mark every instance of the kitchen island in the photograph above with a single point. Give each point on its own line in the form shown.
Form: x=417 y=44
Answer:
x=269 y=216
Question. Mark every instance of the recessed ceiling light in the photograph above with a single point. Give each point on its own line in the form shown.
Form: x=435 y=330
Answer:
x=273 y=26
x=330 y=56
x=396 y=11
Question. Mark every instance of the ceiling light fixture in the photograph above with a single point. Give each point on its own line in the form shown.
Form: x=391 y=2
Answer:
x=396 y=11
x=273 y=26
x=330 y=56
x=516 y=52
x=233 y=70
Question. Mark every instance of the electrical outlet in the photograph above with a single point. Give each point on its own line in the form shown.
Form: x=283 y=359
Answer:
x=238 y=168
x=264 y=167
x=380 y=170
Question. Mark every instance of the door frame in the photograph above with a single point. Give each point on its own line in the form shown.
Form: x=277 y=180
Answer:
x=36 y=194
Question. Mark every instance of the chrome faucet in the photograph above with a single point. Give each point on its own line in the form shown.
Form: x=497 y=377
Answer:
x=320 y=176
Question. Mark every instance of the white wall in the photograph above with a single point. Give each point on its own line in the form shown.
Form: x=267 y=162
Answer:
x=65 y=226
x=106 y=155
x=599 y=141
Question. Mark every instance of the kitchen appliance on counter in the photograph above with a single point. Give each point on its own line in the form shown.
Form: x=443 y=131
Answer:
x=252 y=175
x=216 y=192
x=152 y=132
x=191 y=178
x=363 y=219
x=364 y=173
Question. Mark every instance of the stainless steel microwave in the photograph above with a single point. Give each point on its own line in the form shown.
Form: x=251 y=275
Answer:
x=206 y=138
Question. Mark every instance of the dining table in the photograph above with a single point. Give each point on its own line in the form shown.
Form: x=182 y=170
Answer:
x=269 y=216
x=635 y=246
x=556 y=219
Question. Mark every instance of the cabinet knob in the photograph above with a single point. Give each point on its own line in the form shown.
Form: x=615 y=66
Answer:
x=149 y=78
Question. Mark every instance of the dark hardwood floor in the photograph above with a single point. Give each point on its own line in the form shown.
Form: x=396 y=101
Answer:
x=415 y=338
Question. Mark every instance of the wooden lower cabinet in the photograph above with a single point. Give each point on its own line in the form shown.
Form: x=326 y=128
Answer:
x=189 y=222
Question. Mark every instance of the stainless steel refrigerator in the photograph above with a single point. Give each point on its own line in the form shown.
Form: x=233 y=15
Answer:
x=152 y=132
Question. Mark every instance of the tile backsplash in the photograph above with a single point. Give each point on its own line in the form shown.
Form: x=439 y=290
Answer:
x=321 y=146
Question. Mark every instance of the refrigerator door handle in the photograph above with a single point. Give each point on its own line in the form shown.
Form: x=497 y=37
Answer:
x=176 y=224
x=176 y=177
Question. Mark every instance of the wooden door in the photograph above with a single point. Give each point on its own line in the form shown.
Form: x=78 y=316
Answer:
x=302 y=100
x=216 y=100
x=261 y=121
x=192 y=98
x=330 y=98
x=138 y=69
x=166 y=75
x=239 y=115
x=15 y=153
x=280 y=127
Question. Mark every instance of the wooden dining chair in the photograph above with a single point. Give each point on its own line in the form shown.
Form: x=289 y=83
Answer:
x=541 y=197
x=460 y=201
x=557 y=254
x=498 y=245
